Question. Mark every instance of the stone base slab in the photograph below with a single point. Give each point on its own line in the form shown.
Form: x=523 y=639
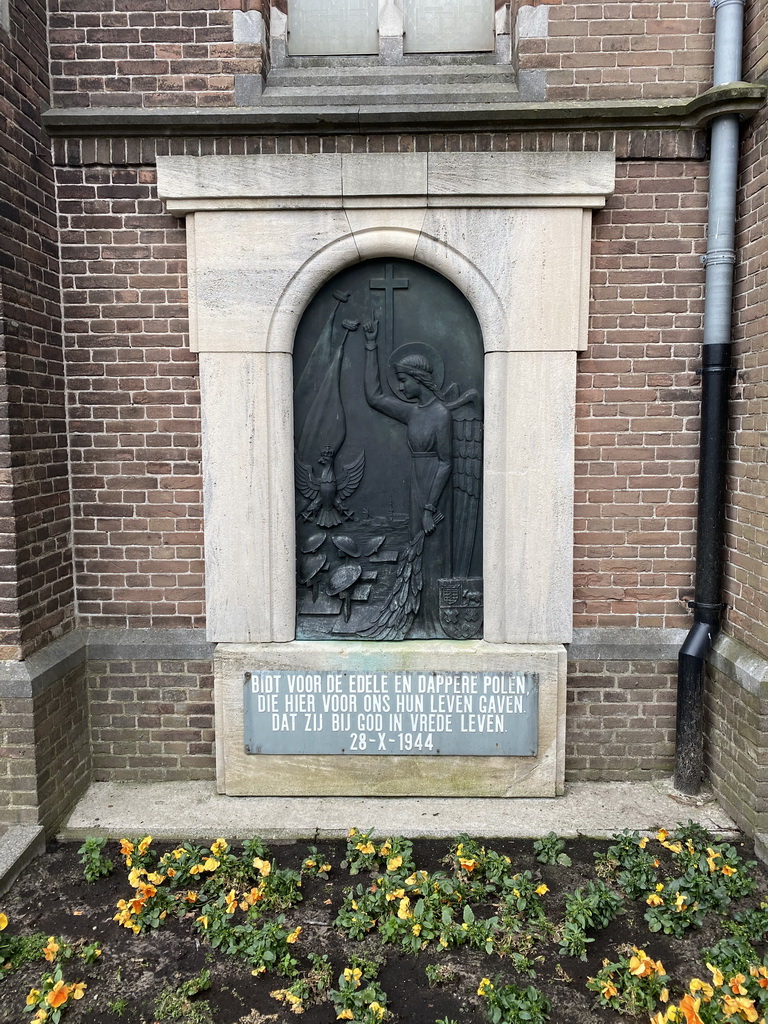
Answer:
x=241 y=774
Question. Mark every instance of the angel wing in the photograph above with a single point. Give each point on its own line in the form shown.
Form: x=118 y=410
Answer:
x=350 y=477
x=466 y=477
x=305 y=480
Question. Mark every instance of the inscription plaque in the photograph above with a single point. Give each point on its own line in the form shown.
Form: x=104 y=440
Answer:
x=388 y=371
x=483 y=713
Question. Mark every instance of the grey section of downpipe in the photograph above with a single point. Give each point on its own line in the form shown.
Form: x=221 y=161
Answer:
x=716 y=377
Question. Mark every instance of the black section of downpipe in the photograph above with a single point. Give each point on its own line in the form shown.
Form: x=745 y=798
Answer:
x=707 y=603
x=716 y=378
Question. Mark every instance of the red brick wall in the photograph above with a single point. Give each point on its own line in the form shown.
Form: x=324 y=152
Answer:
x=36 y=600
x=181 y=53
x=620 y=720
x=620 y=49
x=152 y=721
x=747 y=510
x=638 y=400
x=134 y=402
x=142 y=53
x=45 y=747
x=134 y=391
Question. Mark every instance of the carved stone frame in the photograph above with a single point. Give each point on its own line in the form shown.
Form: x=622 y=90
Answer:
x=512 y=232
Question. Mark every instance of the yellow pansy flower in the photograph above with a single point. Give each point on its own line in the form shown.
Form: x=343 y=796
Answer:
x=50 y=951
x=366 y=847
x=34 y=995
x=345 y=1015
x=697 y=985
x=394 y=863
x=262 y=866
x=404 y=910
x=219 y=846
x=58 y=995
x=484 y=986
x=542 y=889
x=294 y=935
x=3 y=922
x=717 y=975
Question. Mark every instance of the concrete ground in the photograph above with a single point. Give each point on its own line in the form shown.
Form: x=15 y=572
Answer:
x=193 y=810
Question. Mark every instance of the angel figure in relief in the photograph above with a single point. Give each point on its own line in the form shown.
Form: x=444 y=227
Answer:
x=444 y=438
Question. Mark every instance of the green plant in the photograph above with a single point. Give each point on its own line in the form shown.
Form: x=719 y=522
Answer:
x=397 y=853
x=17 y=950
x=53 y=996
x=314 y=864
x=359 y=997
x=634 y=984
x=742 y=997
x=522 y=903
x=549 y=850
x=176 y=1004
x=509 y=1004
x=118 y=1006
x=735 y=952
x=362 y=854
x=524 y=964
x=95 y=864
x=90 y=952
x=591 y=906
x=310 y=987
x=439 y=974
x=635 y=870
x=573 y=940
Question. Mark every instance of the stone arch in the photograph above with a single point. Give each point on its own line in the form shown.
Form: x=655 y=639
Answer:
x=381 y=241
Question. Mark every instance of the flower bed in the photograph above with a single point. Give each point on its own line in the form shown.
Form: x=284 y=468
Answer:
x=670 y=927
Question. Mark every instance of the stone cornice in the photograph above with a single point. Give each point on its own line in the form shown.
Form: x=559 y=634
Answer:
x=742 y=98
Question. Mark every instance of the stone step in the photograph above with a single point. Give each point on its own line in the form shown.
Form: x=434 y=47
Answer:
x=437 y=96
x=500 y=75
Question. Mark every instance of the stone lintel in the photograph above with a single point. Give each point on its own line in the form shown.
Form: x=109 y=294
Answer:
x=296 y=181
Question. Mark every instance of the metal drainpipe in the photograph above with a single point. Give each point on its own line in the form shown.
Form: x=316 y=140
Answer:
x=715 y=381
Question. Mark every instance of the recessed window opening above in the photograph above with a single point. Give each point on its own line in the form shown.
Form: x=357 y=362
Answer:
x=324 y=28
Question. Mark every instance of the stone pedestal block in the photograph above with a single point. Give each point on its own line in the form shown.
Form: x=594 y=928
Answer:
x=241 y=774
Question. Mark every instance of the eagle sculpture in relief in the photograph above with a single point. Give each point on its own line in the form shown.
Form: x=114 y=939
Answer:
x=326 y=492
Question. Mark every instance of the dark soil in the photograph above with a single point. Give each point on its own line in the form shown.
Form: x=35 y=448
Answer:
x=52 y=897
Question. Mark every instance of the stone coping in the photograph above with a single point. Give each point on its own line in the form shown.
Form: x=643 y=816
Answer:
x=19 y=845
x=740 y=664
x=31 y=677
x=743 y=98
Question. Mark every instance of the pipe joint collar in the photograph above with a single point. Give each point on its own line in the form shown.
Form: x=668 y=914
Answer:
x=719 y=256
x=724 y=3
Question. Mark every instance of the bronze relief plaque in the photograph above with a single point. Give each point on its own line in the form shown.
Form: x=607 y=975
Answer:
x=388 y=403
